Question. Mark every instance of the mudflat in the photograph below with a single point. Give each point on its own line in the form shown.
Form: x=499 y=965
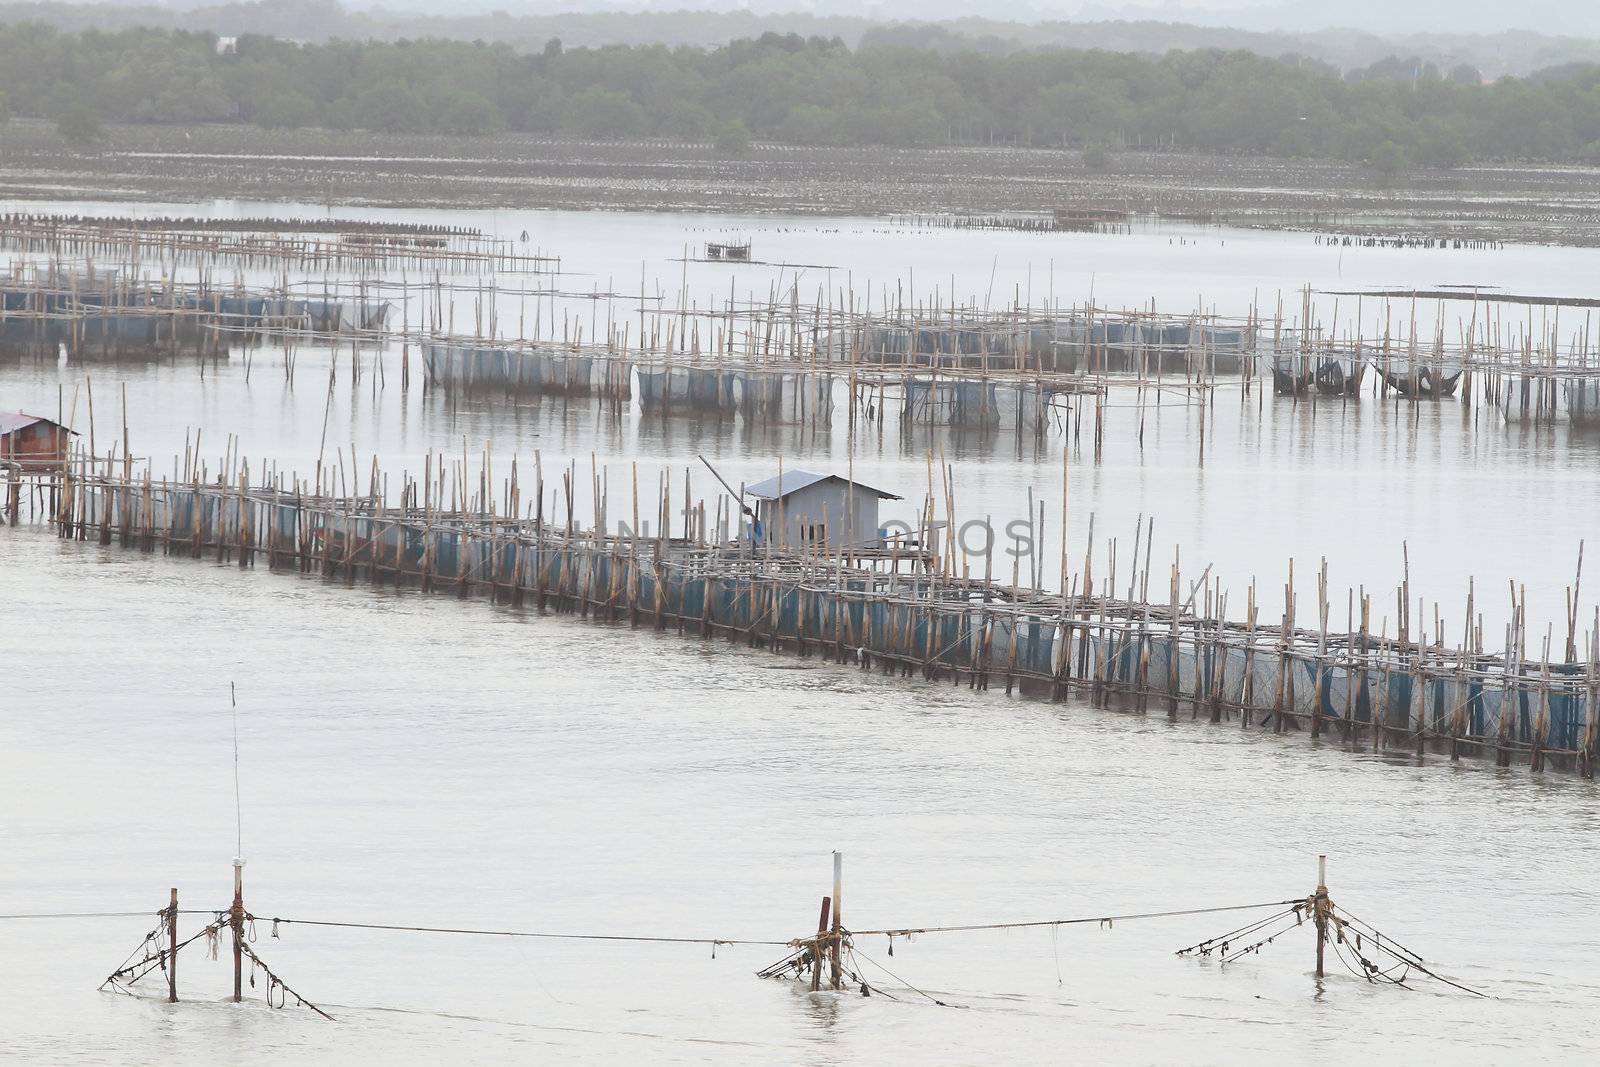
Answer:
x=1505 y=202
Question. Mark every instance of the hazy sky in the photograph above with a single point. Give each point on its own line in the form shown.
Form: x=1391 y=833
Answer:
x=1559 y=17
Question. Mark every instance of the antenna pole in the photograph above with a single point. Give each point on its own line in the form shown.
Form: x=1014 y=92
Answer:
x=236 y=913
x=736 y=496
x=238 y=808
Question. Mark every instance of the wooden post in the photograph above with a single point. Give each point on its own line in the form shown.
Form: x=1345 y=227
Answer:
x=1320 y=910
x=172 y=948
x=236 y=923
x=1320 y=692
x=1173 y=675
x=816 y=955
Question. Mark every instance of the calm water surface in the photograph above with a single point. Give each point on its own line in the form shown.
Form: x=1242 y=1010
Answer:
x=424 y=760
x=1174 y=268
x=1471 y=497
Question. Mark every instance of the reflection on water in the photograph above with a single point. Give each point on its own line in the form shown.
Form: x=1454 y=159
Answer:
x=1362 y=483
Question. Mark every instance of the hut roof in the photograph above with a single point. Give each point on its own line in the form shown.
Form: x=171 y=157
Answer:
x=791 y=482
x=11 y=422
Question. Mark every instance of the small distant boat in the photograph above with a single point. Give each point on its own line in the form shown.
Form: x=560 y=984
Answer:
x=724 y=251
x=1424 y=381
x=1288 y=379
x=1297 y=374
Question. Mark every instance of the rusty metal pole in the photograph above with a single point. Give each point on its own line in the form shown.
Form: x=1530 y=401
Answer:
x=172 y=948
x=1319 y=909
x=816 y=955
x=236 y=922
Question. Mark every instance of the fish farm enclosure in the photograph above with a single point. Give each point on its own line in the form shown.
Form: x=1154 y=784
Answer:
x=391 y=299
x=501 y=561
x=1366 y=688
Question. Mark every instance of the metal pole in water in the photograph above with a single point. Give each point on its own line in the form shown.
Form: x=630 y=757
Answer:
x=1320 y=909
x=838 y=908
x=172 y=949
x=236 y=922
x=816 y=956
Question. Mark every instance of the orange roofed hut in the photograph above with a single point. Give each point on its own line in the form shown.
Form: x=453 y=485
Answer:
x=32 y=442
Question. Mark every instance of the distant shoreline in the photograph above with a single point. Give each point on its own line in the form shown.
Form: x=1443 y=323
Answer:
x=1510 y=203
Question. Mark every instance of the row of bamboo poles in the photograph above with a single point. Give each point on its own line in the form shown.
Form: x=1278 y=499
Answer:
x=325 y=244
x=910 y=609
x=1522 y=367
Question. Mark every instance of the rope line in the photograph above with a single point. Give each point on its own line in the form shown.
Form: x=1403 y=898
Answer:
x=531 y=933
x=1389 y=944
x=904 y=931
x=106 y=914
x=854 y=971
x=274 y=983
x=1222 y=941
x=158 y=958
x=141 y=947
x=1265 y=930
x=714 y=941
x=1399 y=952
x=1370 y=971
x=1264 y=940
x=902 y=981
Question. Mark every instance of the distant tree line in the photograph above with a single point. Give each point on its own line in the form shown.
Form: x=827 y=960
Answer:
x=810 y=91
x=1509 y=52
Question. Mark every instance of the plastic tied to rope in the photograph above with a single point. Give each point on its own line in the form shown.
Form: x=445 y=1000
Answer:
x=1347 y=934
x=1223 y=943
x=155 y=956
